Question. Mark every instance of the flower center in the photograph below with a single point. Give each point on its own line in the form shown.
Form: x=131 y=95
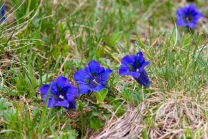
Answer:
x=134 y=68
x=95 y=82
x=188 y=19
x=131 y=67
x=61 y=97
x=61 y=92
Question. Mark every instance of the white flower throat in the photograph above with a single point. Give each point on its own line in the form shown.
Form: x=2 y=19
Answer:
x=61 y=97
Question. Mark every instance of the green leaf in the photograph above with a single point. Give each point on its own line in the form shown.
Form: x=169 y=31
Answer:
x=55 y=51
x=188 y=133
x=144 y=134
x=118 y=108
x=71 y=134
x=4 y=106
x=100 y=96
x=95 y=123
x=81 y=105
x=65 y=50
x=127 y=95
x=22 y=86
x=100 y=52
x=116 y=37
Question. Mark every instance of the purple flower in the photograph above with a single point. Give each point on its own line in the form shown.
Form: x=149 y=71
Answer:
x=3 y=9
x=134 y=65
x=92 y=78
x=61 y=93
x=188 y=16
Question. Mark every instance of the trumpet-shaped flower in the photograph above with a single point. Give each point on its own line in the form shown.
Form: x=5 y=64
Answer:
x=134 y=65
x=188 y=16
x=60 y=93
x=92 y=78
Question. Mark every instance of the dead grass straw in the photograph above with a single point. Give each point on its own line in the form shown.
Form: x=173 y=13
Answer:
x=162 y=115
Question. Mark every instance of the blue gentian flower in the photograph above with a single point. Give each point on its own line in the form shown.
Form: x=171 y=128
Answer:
x=188 y=16
x=3 y=11
x=61 y=93
x=92 y=78
x=134 y=65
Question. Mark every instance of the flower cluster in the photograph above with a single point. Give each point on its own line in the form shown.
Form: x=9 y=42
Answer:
x=188 y=16
x=60 y=93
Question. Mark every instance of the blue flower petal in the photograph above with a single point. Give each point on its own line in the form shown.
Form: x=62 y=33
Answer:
x=140 y=58
x=50 y=97
x=80 y=76
x=63 y=103
x=99 y=88
x=192 y=7
x=143 y=79
x=126 y=60
x=124 y=70
x=105 y=75
x=44 y=89
x=51 y=102
x=62 y=81
x=143 y=66
x=191 y=25
x=134 y=74
x=72 y=105
x=198 y=16
x=3 y=10
x=133 y=58
x=101 y=70
x=88 y=71
x=44 y=97
x=178 y=13
x=2 y=19
x=72 y=93
x=94 y=66
x=180 y=21
x=54 y=89
x=84 y=89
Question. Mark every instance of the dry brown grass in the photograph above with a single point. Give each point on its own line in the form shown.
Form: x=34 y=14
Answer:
x=164 y=115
